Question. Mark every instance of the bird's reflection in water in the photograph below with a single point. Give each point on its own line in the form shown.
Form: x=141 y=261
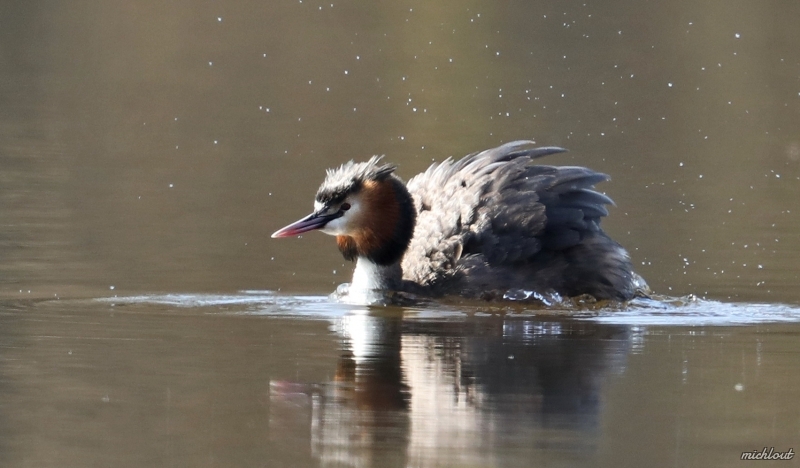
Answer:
x=417 y=392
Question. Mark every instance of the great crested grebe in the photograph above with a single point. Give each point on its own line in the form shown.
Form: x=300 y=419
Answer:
x=490 y=222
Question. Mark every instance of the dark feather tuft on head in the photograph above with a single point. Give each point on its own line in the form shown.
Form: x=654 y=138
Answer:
x=349 y=178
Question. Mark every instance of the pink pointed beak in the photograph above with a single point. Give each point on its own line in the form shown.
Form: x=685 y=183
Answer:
x=309 y=223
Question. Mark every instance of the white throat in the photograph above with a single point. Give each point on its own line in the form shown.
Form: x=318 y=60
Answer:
x=370 y=277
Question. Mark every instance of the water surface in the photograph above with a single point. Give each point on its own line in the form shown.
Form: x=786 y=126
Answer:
x=259 y=379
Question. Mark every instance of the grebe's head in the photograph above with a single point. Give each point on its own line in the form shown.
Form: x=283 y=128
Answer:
x=366 y=207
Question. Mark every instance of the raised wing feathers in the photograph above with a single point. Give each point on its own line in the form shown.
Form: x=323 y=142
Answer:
x=497 y=205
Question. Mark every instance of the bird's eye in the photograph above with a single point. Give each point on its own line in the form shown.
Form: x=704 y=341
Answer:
x=345 y=207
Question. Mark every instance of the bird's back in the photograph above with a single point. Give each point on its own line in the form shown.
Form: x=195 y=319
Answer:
x=493 y=221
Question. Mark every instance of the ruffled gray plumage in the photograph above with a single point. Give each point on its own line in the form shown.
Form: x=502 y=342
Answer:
x=494 y=221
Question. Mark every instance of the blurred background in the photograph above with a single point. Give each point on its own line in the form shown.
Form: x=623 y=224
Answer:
x=152 y=146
